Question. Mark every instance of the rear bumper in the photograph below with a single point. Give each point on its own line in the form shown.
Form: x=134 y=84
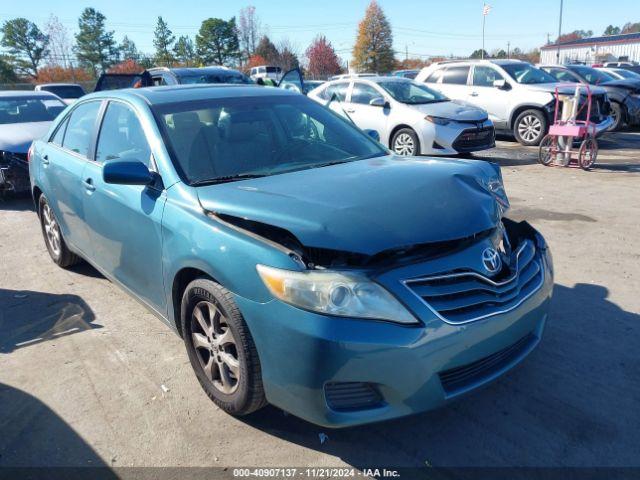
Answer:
x=412 y=368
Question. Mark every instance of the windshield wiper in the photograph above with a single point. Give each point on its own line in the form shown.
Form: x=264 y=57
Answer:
x=225 y=179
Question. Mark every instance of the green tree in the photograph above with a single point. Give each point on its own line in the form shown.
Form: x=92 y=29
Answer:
x=26 y=45
x=217 y=41
x=611 y=30
x=184 y=51
x=7 y=73
x=499 y=54
x=267 y=50
x=95 y=46
x=128 y=49
x=479 y=54
x=373 y=51
x=163 y=39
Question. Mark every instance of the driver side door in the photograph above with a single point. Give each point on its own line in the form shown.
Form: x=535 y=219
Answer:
x=492 y=99
x=365 y=115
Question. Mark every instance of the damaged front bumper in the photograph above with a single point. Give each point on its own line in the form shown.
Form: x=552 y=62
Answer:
x=14 y=172
x=350 y=371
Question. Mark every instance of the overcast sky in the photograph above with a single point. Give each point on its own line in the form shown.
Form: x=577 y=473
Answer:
x=423 y=27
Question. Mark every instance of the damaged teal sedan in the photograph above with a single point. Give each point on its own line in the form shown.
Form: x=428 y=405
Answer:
x=302 y=263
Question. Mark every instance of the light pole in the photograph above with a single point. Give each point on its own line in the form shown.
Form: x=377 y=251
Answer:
x=559 y=33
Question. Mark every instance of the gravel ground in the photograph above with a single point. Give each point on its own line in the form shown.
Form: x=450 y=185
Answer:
x=89 y=377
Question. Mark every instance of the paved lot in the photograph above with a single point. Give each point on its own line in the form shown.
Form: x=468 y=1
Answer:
x=82 y=366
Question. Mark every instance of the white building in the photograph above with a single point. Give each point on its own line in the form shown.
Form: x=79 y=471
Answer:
x=594 y=50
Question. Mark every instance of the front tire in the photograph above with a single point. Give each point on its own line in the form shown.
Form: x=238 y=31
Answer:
x=616 y=114
x=220 y=348
x=56 y=246
x=530 y=127
x=405 y=142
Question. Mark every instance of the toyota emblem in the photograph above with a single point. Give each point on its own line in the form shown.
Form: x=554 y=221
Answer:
x=491 y=260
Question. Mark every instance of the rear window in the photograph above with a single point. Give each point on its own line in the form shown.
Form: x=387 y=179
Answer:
x=274 y=69
x=234 y=78
x=339 y=89
x=29 y=109
x=456 y=75
x=65 y=91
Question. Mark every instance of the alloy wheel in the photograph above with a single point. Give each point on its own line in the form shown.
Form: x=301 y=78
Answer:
x=215 y=347
x=530 y=128
x=51 y=229
x=404 y=145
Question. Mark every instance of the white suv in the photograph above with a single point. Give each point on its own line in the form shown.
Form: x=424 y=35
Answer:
x=518 y=96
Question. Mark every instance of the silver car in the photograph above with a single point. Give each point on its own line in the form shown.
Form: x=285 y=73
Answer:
x=409 y=117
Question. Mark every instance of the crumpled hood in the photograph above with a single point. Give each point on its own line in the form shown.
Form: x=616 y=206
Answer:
x=17 y=137
x=565 y=88
x=369 y=206
x=454 y=110
x=626 y=83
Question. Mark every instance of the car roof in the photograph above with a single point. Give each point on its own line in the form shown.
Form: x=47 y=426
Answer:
x=186 y=93
x=193 y=70
x=58 y=85
x=495 y=61
x=27 y=93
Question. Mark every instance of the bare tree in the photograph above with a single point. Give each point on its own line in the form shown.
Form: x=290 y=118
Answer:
x=249 y=30
x=59 y=43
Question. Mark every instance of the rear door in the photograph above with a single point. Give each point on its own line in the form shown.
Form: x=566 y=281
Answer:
x=453 y=82
x=65 y=159
x=124 y=221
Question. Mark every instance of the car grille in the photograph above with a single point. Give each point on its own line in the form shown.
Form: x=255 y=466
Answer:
x=458 y=380
x=475 y=139
x=464 y=296
x=345 y=396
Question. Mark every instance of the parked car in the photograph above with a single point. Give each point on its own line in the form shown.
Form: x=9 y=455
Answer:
x=518 y=96
x=118 y=81
x=68 y=92
x=411 y=118
x=24 y=116
x=623 y=94
x=301 y=262
x=620 y=73
x=266 y=72
x=184 y=76
x=342 y=76
x=312 y=84
x=405 y=73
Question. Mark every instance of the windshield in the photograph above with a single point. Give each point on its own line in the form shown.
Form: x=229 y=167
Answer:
x=29 y=109
x=223 y=77
x=593 y=76
x=411 y=93
x=65 y=91
x=213 y=141
x=527 y=74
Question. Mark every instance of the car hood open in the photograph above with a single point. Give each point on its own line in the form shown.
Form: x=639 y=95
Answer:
x=369 y=206
x=453 y=110
x=17 y=137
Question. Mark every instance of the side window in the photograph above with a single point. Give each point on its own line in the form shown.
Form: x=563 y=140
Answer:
x=485 y=76
x=456 y=75
x=158 y=81
x=80 y=128
x=121 y=136
x=340 y=90
x=363 y=93
x=434 y=77
x=562 y=75
x=59 y=135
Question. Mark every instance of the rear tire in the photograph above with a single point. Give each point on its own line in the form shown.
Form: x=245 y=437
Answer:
x=530 y=127
x=548 y=150
x=616 y=114
x=56 y=246
x=220 y=348
x=405 y=143
x=588 y=153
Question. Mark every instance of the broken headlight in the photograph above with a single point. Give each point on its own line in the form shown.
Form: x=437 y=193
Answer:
x=334 y=293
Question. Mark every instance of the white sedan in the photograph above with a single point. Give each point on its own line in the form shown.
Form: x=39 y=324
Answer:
x=410 y=118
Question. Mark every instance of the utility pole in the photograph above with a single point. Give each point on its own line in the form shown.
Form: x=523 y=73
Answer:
x=406 y=52
x=559 y=33
x=482 y=51
x=508 y=49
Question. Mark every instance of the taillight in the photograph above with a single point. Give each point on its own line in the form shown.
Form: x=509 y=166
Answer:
x=29 y=153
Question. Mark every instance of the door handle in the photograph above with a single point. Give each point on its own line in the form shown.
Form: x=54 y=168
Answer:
x=88 y=185
x=350 y=110
x=45 y=160
x=474 y=94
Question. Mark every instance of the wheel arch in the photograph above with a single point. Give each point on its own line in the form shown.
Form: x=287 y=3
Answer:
x=396 y=129
x=36 y=193
x=181 y=279
x=521 y=109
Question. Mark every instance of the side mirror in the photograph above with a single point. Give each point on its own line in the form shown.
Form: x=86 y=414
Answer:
x=378 y=102
x=500 y=83
x=127 y=172
x=373 y=134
